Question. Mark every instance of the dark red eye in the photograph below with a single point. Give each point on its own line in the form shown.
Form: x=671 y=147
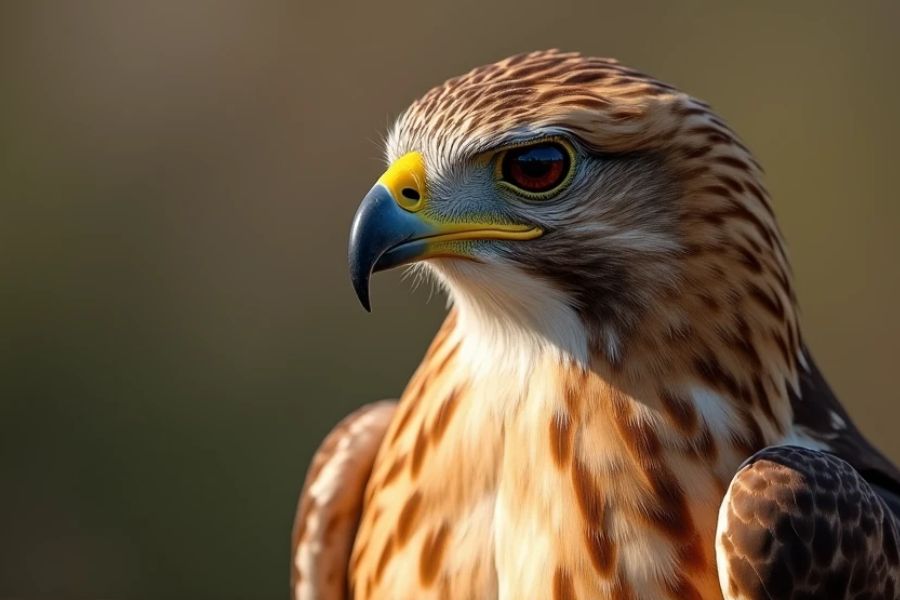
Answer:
x=536 y=169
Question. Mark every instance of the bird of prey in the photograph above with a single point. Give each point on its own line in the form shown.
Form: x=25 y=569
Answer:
x=620 y=403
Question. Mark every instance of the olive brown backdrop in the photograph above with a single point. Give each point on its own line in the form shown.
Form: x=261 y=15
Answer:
x=177 y=180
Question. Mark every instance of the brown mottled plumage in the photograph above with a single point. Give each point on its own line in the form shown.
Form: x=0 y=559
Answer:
x=331 y=502
x=583 y=412
x=804 y=524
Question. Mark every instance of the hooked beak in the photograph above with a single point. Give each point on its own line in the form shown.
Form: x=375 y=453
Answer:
x=390 y=229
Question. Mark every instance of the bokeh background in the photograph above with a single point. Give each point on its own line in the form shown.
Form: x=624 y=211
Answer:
x=177 y=179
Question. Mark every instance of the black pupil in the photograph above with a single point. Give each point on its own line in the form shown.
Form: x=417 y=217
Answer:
x=537 y=162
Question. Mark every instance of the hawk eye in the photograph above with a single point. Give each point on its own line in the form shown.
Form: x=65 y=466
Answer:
x=537 y=169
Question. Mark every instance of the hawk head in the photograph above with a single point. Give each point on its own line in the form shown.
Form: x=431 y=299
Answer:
x=589 y=207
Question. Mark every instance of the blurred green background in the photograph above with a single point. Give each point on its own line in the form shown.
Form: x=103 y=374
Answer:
x=177 y=179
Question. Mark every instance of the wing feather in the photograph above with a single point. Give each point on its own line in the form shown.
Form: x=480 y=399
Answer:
x=799 y=523
x=819 y=414
x=331 y=502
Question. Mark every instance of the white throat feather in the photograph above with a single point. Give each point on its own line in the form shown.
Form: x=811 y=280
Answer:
x=510 y=322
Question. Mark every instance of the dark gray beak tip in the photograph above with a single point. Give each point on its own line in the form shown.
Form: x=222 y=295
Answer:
x=362 y=293
x=360 y=273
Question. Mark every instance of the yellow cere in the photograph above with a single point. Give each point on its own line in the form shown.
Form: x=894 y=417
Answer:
x=405 y=180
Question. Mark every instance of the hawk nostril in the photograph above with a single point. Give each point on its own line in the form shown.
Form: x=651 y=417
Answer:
x=410 y=193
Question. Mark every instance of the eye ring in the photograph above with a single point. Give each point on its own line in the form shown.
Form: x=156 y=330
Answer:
x=537 y=170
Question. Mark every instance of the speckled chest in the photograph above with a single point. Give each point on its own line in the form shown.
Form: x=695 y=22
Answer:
x=529 y=499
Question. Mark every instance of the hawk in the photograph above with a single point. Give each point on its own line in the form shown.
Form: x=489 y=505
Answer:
x=619 y=403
